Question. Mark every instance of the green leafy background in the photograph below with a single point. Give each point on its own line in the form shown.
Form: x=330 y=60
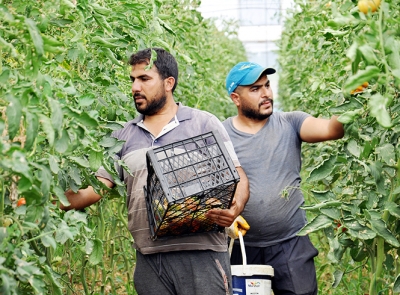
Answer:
x=64 y=87
x=352 y=186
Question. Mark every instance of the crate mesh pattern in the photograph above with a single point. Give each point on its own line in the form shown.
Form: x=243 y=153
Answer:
x=185 y=180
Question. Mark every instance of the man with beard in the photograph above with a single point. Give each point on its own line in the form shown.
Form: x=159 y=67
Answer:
x=191 y=264
x=269 y=149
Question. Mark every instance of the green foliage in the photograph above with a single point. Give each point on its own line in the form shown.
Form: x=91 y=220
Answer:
x=64 y=87
x=327 y=52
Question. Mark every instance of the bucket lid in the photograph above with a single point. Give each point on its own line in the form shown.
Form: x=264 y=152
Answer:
x=251 y=270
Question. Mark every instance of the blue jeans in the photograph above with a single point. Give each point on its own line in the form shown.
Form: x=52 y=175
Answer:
x=292 y=261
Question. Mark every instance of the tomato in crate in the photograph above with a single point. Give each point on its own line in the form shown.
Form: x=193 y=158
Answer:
x=185 y=180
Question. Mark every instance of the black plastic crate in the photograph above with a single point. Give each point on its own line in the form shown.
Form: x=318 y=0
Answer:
x=185 y=180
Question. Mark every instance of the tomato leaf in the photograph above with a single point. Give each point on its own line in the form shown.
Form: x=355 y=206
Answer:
x=379 y=226
x=49 y=241
x=56 y=115
x=319 y=222
x=35 y=35
x=352 y=104
x=44 y=175
x=4 y=76
x=87 y=120
x=337 y=276
x=396 y=286
x=61 y=144
x=387 y=153
x=377 y=105
x=95 y=159
x=349 y=116
x=393 y=209
x=323 y=196
x=60 y=194
x=376 y=171
x=368 y=54
x=80 y=161
x=108 y=141
x=333 y=213
x=354 y=148
x=360 y=77
x=362 y=232
x=47 y=127
x=328 y=204
x=32 y=127
x=14 y=114
x=323 y=170
x=97 y=253
x=64 y=233
x=53 y=163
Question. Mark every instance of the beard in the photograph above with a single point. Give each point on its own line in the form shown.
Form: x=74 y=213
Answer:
x=153 y=106
x=255 y=114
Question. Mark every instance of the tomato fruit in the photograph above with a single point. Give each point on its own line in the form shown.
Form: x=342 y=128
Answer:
x=365 y=5
x=7 y=222
x=21 y=202
x=57 y=261
x=360 y=88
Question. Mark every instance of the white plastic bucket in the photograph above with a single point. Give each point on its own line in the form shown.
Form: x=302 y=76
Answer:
x=250 y=279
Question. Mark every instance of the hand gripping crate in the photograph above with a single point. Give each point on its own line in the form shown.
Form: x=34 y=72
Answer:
x=185 y=180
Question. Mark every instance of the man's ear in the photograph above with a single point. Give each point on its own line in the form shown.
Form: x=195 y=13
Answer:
x=169 y=83
x=235 y=98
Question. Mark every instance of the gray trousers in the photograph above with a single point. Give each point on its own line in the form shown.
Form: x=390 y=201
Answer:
x=182 y=273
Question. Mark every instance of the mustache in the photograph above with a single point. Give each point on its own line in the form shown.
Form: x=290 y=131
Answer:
x=137 y=94
x=266 y=100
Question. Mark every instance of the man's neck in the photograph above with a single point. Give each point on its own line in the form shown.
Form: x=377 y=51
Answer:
x=155 y=123
x=248 y=125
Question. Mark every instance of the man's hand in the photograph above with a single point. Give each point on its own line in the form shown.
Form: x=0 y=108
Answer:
x=84 y=197
x=239 y=224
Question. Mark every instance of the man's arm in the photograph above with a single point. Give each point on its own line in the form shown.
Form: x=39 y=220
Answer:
x=84 y=197
x=317 y=129
x=225 y=217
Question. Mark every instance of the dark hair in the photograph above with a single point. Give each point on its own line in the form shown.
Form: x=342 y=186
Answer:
x=165 y=62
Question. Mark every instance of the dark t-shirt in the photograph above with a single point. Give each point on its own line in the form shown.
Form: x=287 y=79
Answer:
x=271 y=159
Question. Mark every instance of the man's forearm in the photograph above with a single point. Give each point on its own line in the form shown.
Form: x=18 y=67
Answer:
x=336 y=128
x=225 y=217
x=84 y=197
x=242 y=191
x=81 y=199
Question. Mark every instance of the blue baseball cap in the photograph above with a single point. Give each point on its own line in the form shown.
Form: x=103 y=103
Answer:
x=245 y=73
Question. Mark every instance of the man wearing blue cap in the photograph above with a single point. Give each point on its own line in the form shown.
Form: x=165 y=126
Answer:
x=268 y=146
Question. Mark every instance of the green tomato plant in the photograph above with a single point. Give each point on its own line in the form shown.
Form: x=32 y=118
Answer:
x=64 y=88
x=337 y=60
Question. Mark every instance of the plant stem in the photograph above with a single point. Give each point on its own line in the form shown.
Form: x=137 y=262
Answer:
x=380 y=257
x=101 y=225
x=382 y=47
x=83 y=277
x=372 y=255
x=34 y=246
x=2 y=197
x=35 y=238
x=121 y=216
x=380 y=245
